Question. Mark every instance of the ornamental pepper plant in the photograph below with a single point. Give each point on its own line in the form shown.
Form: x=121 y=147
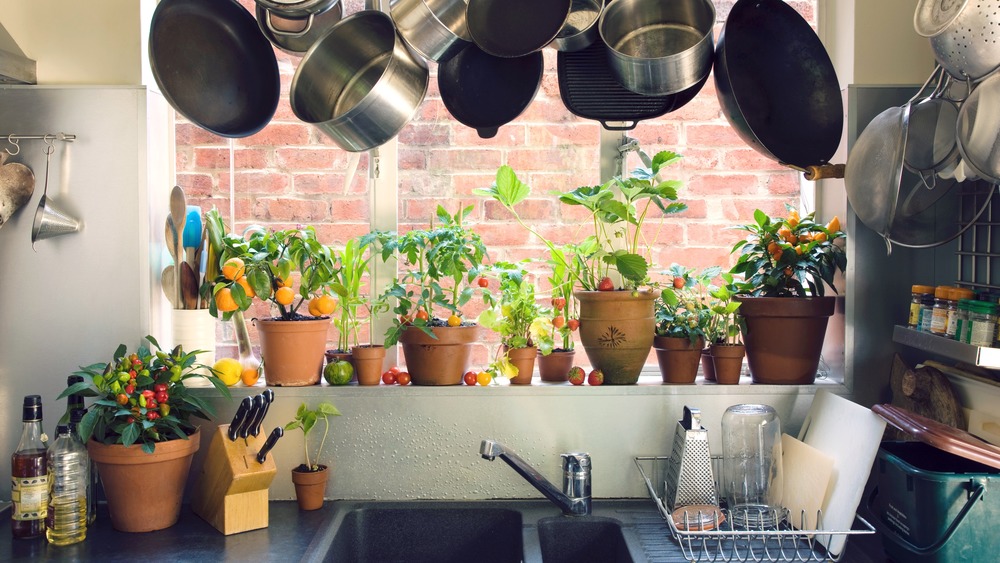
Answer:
x=141 y=397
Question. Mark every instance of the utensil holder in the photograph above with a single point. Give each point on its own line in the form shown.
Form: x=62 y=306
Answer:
x=231 y=492
x=194 y=329
x=689 y=479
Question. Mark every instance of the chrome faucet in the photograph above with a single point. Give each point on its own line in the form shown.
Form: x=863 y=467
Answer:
x=574 y=499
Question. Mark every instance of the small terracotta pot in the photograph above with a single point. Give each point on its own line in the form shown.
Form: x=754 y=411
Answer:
x=126 y=472
x=707 y=365
x=728 y=362
x=678 y=358
x=442 y=360
x=554 y=368
x=310 y=487
x=368 y=360
x=292 y=350
x=616 y=332
x=524 y=360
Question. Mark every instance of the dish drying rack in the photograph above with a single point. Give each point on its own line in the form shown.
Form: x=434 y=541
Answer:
x=713 y=537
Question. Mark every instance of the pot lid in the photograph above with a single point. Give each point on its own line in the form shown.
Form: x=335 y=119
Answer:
x=941 y=436
x=297 y=8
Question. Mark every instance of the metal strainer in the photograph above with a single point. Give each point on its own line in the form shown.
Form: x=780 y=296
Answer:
x=978 y=129
x=931 y=147
x=964 y=34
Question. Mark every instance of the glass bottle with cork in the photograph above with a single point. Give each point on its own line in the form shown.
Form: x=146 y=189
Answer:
x=29 y=474
x=69 y=475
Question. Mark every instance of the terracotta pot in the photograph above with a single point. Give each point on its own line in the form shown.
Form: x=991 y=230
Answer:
x=442 y=360
x=292 y=351
x=727 y=360
x=310 y=487
x=524 y=360
x=784 y=337
x=616 y=330
x=368 y=360
x=707 y=365
x=678 y=358
x=554 y=368
x=127 y=472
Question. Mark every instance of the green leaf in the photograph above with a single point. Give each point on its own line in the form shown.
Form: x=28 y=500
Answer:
x=327 y=409
x=631 y=266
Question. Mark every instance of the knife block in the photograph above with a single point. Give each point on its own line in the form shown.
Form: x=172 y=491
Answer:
x=231 y=492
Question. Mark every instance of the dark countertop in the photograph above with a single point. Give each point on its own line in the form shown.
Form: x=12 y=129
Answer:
x=287 y=539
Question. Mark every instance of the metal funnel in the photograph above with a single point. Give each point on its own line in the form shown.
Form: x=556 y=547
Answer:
x=50 y=221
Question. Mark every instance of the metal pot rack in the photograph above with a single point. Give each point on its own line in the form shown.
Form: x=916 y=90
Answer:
x=720 y=540
x=49 y=138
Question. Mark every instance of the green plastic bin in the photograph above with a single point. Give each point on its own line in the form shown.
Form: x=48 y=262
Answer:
x=932 y=506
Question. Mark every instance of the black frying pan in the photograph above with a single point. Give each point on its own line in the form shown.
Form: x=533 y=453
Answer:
x=777 y=85
x=213 y=65
x=514 y=28
x=485 y=92
x=589 y=89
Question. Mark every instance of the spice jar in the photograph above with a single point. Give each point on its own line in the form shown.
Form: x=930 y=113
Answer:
x=982 y=323
x=958 y=295
x=918 y=292
x=939 y=312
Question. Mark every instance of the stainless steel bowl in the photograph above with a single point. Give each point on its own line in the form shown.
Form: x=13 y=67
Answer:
x=657 y=47
x=437 y=29
x=359 y=84
x=580 y=30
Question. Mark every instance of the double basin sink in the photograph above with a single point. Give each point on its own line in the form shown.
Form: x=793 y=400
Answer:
x=481 y=531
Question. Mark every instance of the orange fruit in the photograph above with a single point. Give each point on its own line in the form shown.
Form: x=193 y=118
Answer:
x=284 y=296
x=773 y=248
x=224 y=300
x=786 y=234
x=326 y=304
x=454 y=320
x=834 y=224
x=250 y=375
x=246 y=287
x=233 y=269
x=793 y=219
x=314 y=307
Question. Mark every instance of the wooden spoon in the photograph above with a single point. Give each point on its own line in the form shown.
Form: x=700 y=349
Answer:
x=167 y=281
x=178 y=213
x=189 y=286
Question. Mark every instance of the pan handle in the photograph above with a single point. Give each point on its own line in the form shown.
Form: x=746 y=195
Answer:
x=626 y=125
x=820 y=172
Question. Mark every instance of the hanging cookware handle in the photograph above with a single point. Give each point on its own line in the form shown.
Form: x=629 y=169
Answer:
x=824 y=171
x=975 y=495
x=274 y=30
x=628 y=125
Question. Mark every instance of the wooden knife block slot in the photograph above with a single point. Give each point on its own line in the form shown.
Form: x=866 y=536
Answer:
x=231 y=492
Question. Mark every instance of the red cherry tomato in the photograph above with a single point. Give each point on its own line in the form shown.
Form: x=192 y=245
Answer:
x=403 y=378
x=395 y=370
x=483 y=282
x=470 y=378
x=389 y=378
x=422 y=315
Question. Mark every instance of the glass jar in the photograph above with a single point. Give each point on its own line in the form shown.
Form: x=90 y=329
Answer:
x=939 y=313
x=751 y=465
x=917 y=294
x=958 y=295
x=982 y=323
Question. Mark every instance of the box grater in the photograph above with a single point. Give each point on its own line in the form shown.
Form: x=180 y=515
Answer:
x=689 y=478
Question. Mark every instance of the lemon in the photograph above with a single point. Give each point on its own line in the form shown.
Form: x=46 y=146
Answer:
x=228 y=370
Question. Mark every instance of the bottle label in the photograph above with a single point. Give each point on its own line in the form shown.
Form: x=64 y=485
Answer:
x=30 y=496
x=914 y=320
x=939 y=321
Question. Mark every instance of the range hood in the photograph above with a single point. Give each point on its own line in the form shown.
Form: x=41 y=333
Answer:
x=15 y=67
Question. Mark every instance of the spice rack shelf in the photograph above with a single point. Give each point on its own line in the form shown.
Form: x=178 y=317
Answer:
x=976 y=355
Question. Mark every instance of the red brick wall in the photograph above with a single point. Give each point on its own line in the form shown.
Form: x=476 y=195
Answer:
x=290 y=173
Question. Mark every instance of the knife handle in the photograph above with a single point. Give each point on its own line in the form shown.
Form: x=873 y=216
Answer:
x=272 y=439
x=239 y=417
x=255 y=410
x=267 y=398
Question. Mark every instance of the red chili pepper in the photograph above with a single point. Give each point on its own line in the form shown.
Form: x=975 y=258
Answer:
x=122 y=399
x=130 y=420
x=148 y=393
x=130 y=388
x=132 y=373
x=151 y=403
x=159 y=387
x=162 y=396
x=152 y=415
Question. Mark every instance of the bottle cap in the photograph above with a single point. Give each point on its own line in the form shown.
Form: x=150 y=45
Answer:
x=32 y=410
x=62 y=429
x=70 y=380
x=942 y=291
x=922 y=289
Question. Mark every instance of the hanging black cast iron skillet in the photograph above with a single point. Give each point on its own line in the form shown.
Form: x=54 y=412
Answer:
x=514 y=28
x=485 y=92
x=213 y=65
x=776 y=84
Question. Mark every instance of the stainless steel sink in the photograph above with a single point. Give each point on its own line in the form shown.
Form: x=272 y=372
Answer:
x=532 y=531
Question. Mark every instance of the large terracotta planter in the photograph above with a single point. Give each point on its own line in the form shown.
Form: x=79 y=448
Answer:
x=678 y=358
x=144 y=491
x=554 y=368
x=310 y=487
x=292 y=351
x=368 y=360
x=616 y=330
x=784 y=337
x=524 y=360
x=442 y=360
x=727 y=360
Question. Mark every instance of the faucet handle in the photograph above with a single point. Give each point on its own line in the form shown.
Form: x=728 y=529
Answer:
x=576 y=462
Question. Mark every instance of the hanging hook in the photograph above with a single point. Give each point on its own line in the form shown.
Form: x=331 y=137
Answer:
x=13 y=141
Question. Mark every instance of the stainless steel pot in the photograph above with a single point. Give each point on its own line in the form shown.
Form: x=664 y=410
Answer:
x=437 y=29
x=658 y=47
x=962 y=35
x=294 y=35
x=580 y=30
x=359 y=84
x=297 y=9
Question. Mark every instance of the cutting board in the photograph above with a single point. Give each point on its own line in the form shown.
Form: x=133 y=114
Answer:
x=850 y=434
x=807 y=473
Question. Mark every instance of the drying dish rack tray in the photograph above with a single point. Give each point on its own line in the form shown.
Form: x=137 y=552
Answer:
x=720 y=540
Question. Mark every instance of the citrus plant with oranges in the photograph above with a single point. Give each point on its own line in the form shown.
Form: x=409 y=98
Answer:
x=789 y=256
x=260 y=265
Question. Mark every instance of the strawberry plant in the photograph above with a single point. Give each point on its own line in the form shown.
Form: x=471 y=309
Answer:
x=686 y=311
